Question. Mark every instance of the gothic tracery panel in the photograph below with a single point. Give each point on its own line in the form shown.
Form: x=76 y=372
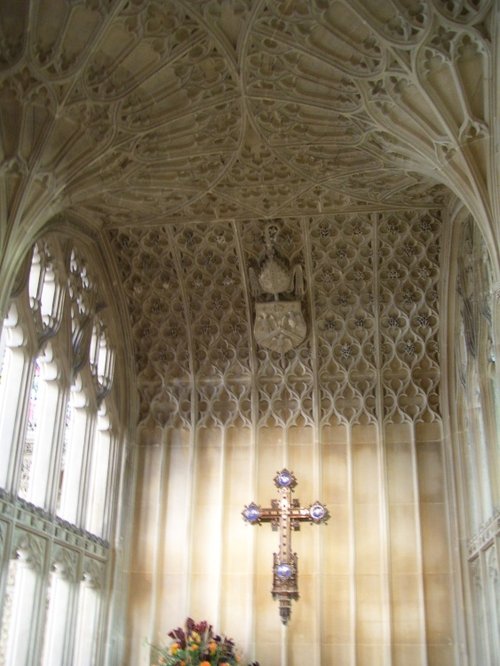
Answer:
x=370 y=309
x=343 y=278
x=409 y=250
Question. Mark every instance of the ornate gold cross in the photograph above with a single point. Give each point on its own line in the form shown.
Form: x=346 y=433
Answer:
x=285 y=514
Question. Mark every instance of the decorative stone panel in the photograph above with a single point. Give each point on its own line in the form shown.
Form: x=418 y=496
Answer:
x=370 y=308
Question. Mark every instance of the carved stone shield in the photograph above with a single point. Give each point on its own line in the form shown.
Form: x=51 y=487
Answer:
x=279 y=325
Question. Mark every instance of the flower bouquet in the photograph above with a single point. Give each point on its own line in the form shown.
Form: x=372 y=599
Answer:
x=197 y=645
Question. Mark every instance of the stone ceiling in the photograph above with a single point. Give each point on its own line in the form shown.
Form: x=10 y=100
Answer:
x=177 y=129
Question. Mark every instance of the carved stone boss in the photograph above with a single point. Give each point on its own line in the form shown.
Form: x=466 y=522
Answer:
x=285 y=514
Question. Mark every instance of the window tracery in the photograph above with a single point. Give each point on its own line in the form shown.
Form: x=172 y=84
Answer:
x=59 y=454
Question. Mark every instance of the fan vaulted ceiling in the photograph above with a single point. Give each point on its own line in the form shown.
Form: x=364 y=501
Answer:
x=176 y=129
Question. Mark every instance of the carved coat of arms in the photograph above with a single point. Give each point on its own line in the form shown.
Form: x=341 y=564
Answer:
x=277 y=287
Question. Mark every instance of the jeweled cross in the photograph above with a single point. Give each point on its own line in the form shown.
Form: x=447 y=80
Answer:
x=285 y=514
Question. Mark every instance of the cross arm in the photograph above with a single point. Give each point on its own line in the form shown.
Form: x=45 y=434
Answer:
x=255 y=514
x=315 y=513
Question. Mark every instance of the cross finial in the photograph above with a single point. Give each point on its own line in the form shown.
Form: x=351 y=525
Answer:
x=285 y=514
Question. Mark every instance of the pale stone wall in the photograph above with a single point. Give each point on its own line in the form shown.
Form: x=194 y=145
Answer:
x=374 y=583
